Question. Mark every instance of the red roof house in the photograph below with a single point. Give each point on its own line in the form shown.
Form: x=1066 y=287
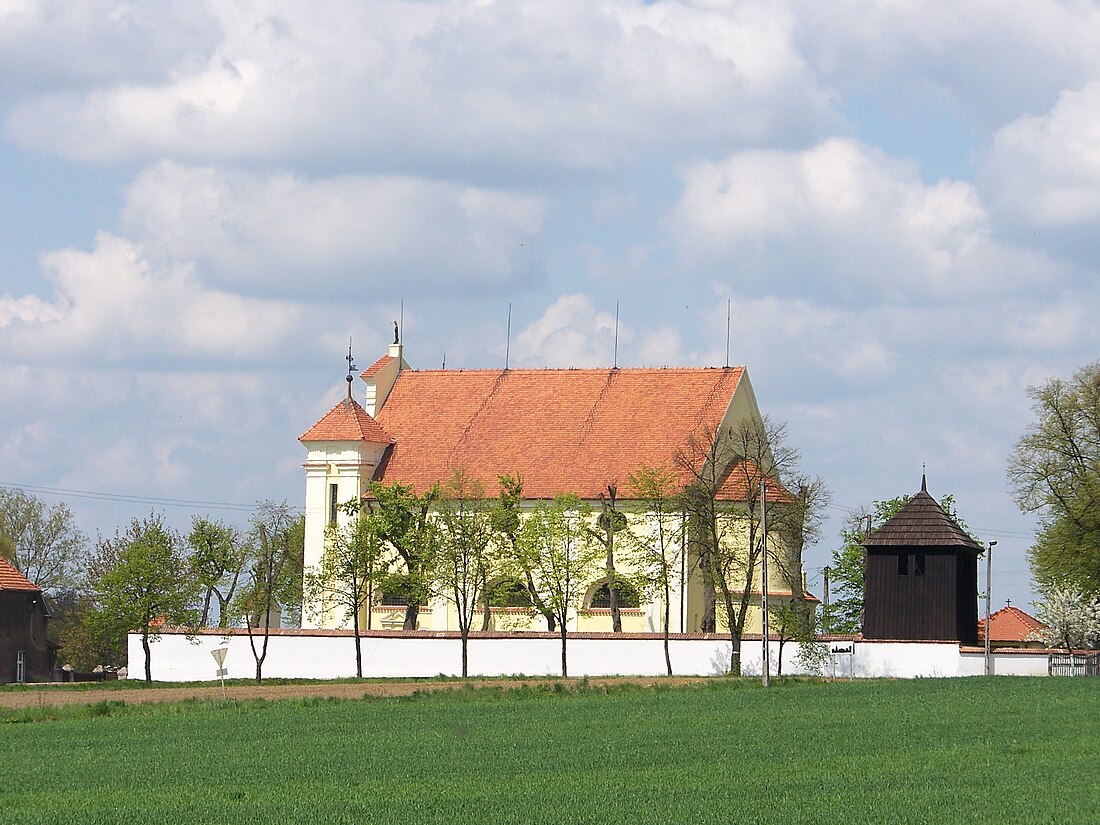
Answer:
x=25 y=654
x=1011 y=627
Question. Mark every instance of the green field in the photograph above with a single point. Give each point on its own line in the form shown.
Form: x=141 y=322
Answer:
x=1004 y=749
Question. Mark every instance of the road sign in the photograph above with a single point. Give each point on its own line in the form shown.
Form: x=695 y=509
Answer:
x=223 y=671
x=219 y=655
x=842 y=648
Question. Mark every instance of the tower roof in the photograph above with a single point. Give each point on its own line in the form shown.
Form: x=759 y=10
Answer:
x=347 y=421
x=921 y=523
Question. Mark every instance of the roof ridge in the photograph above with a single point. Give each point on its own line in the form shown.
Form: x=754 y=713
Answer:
x=516 y=370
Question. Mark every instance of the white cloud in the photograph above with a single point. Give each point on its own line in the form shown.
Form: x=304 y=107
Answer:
x=113 y=306
x=1045 y=170
x=521 y=85
x=52 y=43
x=333 y=238
x=573 y=333
x=984 y=58
x=844 y=220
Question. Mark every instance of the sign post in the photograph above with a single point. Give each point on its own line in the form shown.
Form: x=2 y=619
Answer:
x=219 y=657
x=843 y=649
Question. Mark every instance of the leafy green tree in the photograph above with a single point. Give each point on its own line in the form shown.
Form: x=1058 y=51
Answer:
x=555 y=544
x=792 y=621
x=219 y=555
x=507 y=523
x=1071 y=619
x=354 y=559
x=1055 y=472
x=42 y=542
x=402 y=520
x=147 y=586
x=70 y=627
x=274 y=577
x=656 y=548
x=845 y=611
x=610 y=522
x=466 y=559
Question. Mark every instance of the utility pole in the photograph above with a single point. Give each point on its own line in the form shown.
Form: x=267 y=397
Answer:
x=826 y=618
x=988 y=571
x=765 y=640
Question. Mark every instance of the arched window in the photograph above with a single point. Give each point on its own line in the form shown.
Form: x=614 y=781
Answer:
x=509 y=593
x=628 y=595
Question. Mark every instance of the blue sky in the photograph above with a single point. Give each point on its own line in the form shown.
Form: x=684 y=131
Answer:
x=200 y=203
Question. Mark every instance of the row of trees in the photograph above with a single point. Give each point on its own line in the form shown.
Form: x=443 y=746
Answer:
x=148 y=576
x=454 y=541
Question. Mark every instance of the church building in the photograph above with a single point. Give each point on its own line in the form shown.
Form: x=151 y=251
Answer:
x=559 y=430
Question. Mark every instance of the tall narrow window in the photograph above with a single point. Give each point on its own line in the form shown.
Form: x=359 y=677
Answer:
x=918 y=564
x=903 y=564
x=21 y=666
x=332 y=493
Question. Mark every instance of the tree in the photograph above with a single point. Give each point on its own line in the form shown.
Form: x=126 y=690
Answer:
x=402 y=520
x=354 y=559
x=611 y=521
x=555 y=545
x=656 y=550
x=1071 y=619
x=507 y=523
x=43 y=543
x=792 y=621
x=71 y=627
x=146 y=586
x=274 y=575
x=218 y=557
x=1055 y=472
x=726 y=535
x=465 y=559
x=845 y=611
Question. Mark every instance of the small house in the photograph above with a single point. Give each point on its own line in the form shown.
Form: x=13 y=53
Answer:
x=25 y=655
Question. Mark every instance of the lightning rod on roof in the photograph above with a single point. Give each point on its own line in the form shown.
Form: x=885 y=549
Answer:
x=401 y=315
x=615 y=358
x=727 y=333
x=508 y=336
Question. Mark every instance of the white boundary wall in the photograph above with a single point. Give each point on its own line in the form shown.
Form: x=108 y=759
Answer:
x=331 y=655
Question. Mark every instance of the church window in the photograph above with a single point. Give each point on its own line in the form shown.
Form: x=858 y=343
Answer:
x=628 y=595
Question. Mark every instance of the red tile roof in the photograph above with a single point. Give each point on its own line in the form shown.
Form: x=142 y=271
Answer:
x=1010 y=624
x=376 y=367
x=12 y=579
x=559 y=430
x=347 y=421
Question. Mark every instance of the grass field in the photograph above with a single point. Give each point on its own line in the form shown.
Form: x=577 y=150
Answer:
x=1005 y=749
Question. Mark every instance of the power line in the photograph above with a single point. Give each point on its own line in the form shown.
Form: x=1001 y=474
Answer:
x=193 y=504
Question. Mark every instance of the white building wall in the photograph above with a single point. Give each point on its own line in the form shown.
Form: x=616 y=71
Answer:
x=331 y=654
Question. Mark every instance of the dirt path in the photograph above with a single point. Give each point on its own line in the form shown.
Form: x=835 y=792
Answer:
x=54 y=695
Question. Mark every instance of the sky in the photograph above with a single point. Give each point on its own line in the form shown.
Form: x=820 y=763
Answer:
x=200 y=203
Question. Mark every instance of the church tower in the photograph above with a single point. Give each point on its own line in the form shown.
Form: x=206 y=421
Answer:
x=345 y=449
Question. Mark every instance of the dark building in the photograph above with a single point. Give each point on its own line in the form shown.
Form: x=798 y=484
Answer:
x=921 y=576
x=25 y=655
